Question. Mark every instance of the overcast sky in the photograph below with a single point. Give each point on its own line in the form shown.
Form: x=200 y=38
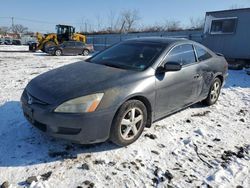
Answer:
x=43 y=15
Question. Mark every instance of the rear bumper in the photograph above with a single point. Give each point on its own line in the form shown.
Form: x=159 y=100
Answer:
x=225 y=76
x=79 y=128
x=91 y=50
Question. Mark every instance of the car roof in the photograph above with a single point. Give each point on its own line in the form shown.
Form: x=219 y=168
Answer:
x=71 y=41
x=162 y=40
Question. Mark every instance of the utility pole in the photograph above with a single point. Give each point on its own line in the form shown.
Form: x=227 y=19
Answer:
x=12 y=21
x=81 y=26
x=86 y=27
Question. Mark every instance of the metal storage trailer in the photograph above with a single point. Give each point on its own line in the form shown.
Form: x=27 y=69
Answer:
x=228 y=32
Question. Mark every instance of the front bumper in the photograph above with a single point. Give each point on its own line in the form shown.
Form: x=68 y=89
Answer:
x=50 y=51
x=84 y=128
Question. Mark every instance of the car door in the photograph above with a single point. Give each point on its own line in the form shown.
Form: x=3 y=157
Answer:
x=205 y=70
x=78 y=48
x=69 y=48
x=175 y=90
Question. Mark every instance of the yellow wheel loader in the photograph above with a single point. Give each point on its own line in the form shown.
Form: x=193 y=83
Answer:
x=64 y=33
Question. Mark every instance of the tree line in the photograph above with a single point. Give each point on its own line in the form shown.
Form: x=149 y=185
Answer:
x=129 y=21
x=16 y=29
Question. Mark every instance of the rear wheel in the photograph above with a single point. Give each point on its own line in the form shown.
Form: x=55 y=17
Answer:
x=85 y=52
x=128 y=123
x=214 y=92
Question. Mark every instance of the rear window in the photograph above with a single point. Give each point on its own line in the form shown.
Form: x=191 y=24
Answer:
x=202 y=54
x=183 y=54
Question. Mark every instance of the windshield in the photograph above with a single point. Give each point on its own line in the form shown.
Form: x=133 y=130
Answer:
x=130 y=55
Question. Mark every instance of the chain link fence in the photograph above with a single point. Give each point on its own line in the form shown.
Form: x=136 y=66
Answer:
x=101 y=42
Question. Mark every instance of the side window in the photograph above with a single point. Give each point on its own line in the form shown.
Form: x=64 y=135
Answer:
x=65 y=44
x=78 y=44
x=223 y=26
x=183 y=54
x=70 y=44
x=202 y=54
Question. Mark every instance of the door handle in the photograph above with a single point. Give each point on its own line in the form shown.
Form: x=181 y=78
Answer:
x=197 y=76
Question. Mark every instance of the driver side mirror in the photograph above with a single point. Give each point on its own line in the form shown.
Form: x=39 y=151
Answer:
x=172 y=66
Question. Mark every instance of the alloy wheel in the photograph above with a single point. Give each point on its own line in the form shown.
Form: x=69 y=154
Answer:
x=131 y=123
x=85 y=52
x=58 y=52
x=215 y=91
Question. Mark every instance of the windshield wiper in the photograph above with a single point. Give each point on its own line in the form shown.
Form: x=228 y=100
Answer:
x=111 y=65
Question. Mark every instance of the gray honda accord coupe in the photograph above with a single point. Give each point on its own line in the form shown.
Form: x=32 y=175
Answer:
x=118 y=92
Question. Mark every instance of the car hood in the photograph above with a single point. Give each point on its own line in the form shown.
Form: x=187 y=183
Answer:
x=75 y=80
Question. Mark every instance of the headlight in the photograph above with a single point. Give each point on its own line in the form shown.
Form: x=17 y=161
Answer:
x=87 y=103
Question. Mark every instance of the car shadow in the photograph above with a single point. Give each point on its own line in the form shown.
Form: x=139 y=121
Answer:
x=22 y=145
x=198 y=105
x=41 y=54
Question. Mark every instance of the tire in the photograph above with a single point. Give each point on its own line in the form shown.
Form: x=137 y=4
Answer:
x=43 y=49
x=126 y=129
x=48 y=44
x=85 y=52
x=58 y=53
x=214 y=92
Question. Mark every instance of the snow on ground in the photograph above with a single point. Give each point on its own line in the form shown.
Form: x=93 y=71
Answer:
x=14 y=47
x=199 y=146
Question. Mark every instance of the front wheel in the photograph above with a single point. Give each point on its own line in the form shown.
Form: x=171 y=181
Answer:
x=58 y=53
x=47 y=45
x=128 y=123
x=214 y=92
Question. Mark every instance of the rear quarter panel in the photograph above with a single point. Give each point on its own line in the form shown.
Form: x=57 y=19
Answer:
x=212 y=68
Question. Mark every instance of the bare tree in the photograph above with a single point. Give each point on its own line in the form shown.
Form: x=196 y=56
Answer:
x=86 y=26
x=172 y=25
x=129 y=18
x=157 y=27
x=99 y=22
x=111 y=20
x=4 y=30
x=18 y=28
x=196 y=24
x=113 y=23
